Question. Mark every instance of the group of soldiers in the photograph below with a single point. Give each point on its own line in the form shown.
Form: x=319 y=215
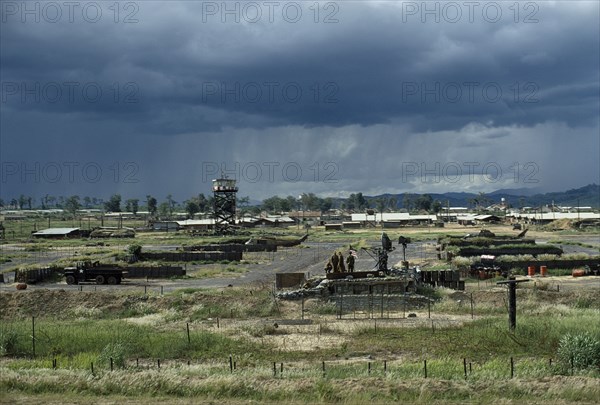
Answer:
x=336 y=264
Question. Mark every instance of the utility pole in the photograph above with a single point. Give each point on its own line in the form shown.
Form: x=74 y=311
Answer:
x=298 y=213
x=512 y=301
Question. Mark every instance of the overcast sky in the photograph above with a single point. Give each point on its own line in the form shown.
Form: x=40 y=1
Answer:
x=159 y=97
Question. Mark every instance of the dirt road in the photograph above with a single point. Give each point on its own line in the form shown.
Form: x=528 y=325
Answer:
x=310 y=258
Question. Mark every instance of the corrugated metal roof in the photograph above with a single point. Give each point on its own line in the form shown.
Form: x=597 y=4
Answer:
x=424 y=217
x=483 y=217
x=249 y=220
x=391 y=216
x=559 y=215
x=192 y=222
x=56 y=231
x=281 y=218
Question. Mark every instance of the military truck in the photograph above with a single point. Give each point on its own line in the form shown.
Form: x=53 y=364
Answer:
x=100 y=273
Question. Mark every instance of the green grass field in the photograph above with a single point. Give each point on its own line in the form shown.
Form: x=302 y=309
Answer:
x=354 y=368
x=329 y=360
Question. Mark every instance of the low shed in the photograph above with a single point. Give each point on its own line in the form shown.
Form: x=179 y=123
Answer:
x=57 y=233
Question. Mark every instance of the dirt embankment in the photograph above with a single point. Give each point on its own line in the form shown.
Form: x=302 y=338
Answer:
x=56 y=303
x=59 y=303
x=66 y=304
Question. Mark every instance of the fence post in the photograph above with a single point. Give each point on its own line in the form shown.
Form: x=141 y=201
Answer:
x=369 y=368
x=472 y=315
x=512 y=368
x=111 y=364
x=274 y=369
x=92 y=365
x=465 y=367
x=323 y=368
x=33 y=334
x=188 y=332
x=425 y=367
x=230 y=364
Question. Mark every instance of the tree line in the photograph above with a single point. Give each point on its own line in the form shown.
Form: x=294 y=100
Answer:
x=115 y=203
x=355 y=202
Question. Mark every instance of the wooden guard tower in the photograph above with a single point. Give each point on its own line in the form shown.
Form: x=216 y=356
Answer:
x=225 y=194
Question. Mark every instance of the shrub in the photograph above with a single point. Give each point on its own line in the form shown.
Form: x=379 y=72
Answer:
x=8 y=343
x=429 y=292
x=579 y=351
x=116 y=351
x=135 y=249
x=461 y=262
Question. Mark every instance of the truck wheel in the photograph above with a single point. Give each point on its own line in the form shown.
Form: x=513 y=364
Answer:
x=118 y=280
x=112 y=280
x=71 y=280
x=100 y=280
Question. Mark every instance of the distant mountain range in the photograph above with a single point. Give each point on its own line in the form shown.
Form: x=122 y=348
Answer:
x=587 y=196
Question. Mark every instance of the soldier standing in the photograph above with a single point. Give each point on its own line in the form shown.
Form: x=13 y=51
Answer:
x=350 y=261
x=334 y=262
x=341 y=264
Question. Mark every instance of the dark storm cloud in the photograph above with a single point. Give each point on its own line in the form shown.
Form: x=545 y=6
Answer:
x=384 y=76
x=373 y=65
